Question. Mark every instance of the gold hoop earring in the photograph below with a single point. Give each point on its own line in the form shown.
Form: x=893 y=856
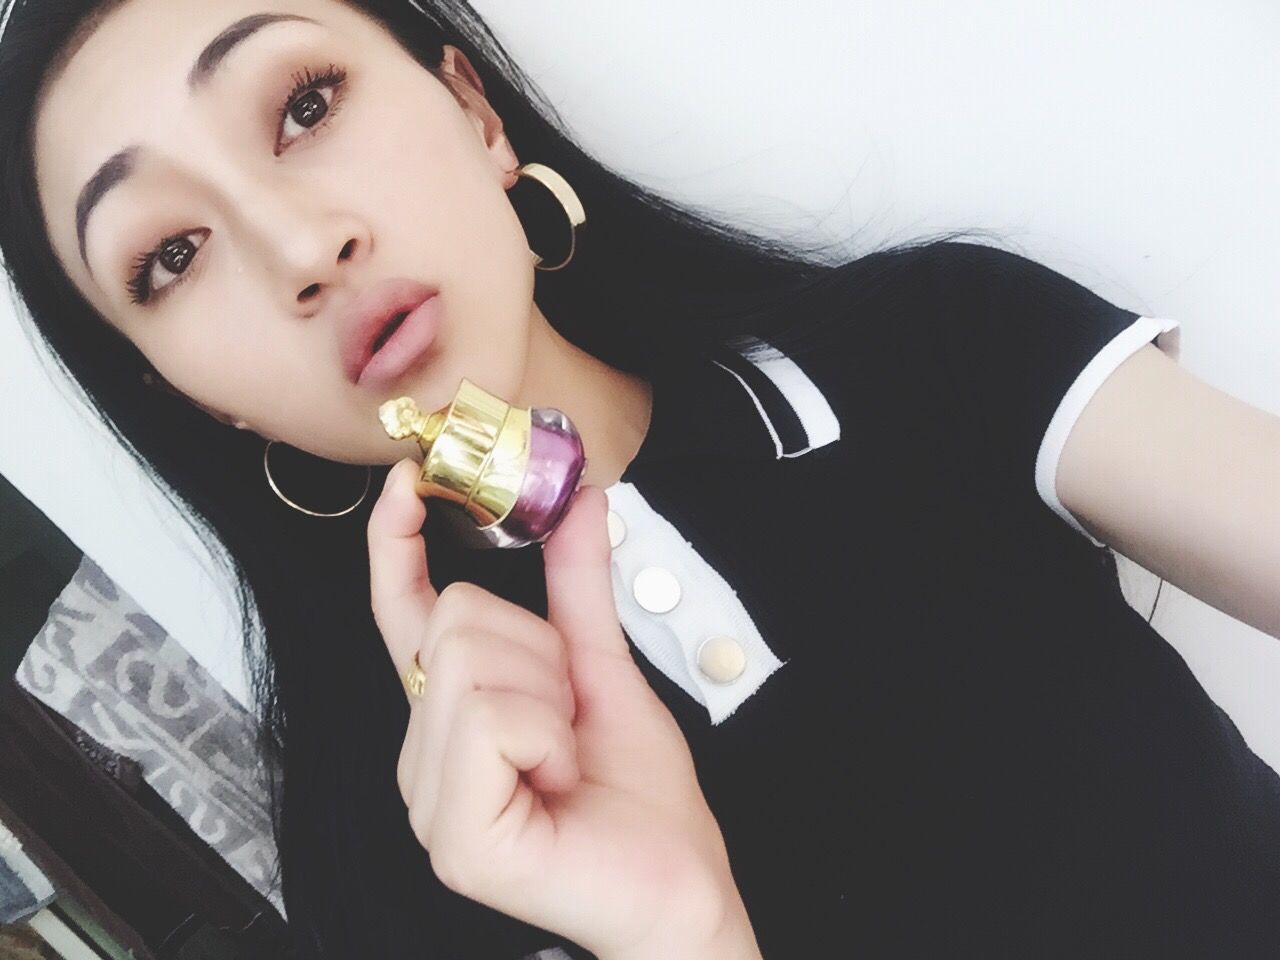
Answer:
x=267 y=468
x=567 y=199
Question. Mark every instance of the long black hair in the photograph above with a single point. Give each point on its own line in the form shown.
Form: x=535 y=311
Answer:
x=649 y=276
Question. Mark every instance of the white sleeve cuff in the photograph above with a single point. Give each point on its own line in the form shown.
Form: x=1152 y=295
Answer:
x=1167 y=336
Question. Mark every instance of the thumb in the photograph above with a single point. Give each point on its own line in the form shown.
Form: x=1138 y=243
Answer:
x=577 y=559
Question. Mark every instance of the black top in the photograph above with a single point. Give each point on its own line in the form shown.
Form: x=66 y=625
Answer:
x=930 y=724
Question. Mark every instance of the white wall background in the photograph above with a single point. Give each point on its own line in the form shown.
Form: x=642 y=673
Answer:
x=1132 y=146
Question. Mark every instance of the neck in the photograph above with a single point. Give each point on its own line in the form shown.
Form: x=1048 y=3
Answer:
x=609 y=407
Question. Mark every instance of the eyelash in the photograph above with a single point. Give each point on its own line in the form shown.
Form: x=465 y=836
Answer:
x=140 y=291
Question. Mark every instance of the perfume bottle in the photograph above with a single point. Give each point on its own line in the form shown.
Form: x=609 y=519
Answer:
x=512 y=470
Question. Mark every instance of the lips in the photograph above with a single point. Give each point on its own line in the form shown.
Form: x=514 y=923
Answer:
x=367 y=323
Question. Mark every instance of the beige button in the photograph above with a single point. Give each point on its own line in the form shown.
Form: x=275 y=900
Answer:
x=617 y=529
x=721 y=659
x=656 y=589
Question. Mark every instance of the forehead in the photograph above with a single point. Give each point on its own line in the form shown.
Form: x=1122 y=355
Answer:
x=125 y=82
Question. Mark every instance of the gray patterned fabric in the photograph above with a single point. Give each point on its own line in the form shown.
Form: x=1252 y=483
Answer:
x=100 y=661
x=106 y=666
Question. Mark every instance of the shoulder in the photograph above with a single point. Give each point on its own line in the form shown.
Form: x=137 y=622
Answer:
x=937 y=272
x=882 y=314
x=937 y=278
x=910 y=290
x=960 y=321
x=955 y=300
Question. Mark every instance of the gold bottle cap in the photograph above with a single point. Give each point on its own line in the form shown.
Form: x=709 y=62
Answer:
x=475 y=451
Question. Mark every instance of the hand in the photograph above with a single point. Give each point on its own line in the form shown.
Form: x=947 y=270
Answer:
x=540 y=771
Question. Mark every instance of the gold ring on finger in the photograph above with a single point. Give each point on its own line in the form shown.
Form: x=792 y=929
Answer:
x=415 y=678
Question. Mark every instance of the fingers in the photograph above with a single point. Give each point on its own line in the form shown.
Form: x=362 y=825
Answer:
x=399 y=584
x=462 y=663
x=483 y=800
x=576 y=558
x=407 y=607
x=462 y=607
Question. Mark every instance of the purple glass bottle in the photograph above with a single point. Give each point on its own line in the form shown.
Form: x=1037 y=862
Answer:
x=513 y=470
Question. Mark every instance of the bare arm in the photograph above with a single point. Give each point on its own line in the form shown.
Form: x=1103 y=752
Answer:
x=1184 y=479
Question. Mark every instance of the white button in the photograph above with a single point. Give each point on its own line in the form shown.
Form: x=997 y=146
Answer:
x=617 y=529
x=721 y=659
x=656 y=589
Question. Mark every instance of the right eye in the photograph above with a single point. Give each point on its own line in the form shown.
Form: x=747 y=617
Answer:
x=171 y=257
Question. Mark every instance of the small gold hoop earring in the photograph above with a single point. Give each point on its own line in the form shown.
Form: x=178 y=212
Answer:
x=567 y=199
x=266 y=466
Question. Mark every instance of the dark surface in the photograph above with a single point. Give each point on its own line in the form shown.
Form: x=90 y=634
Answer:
x=110 y=842
x=102 y=835
x=36 y=562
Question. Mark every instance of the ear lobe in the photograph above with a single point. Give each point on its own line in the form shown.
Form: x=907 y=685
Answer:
x=153 y=379
x=218 y=415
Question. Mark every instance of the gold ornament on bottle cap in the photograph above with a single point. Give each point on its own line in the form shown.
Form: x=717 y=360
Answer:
x=475 y=450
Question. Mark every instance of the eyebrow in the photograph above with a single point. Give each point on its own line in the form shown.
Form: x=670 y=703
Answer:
x=120 y=165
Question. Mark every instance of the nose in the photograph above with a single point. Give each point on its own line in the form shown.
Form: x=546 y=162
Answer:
x=315 y=289
x=300 y=241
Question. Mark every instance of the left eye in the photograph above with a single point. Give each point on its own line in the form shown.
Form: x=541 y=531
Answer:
x=304 y=109
x=306 y=106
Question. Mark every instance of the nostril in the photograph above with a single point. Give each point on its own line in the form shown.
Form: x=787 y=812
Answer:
x=347 y=249
x=309 y=292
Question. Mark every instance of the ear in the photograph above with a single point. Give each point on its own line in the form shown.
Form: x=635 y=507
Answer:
x=221 y=417
x=153 y=379
x=467 y=87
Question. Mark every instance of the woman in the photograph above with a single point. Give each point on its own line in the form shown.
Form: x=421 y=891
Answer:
x=901 y=704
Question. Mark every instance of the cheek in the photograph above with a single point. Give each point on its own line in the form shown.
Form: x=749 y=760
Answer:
x=435 y=187
x=226 y=352
x=438 y=207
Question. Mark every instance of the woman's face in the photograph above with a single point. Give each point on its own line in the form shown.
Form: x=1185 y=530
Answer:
x=316 y=161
